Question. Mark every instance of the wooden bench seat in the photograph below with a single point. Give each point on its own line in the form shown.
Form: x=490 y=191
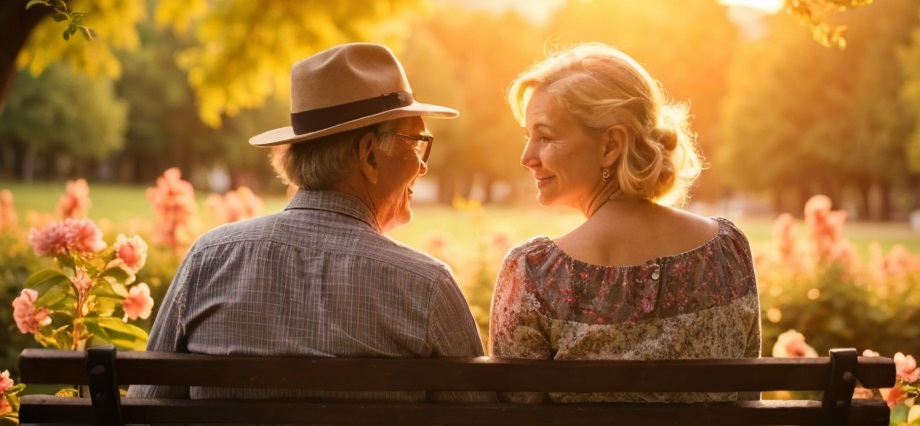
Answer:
x=103 y=369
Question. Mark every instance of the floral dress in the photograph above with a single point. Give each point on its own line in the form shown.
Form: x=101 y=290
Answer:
x=702 y=303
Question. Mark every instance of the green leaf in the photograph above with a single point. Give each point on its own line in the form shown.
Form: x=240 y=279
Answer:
x=118 y=333
x=65 y=260
x=117 y=273
x=42 y=276
x=34 y=2
x=52 y=296
x=899 y=413
x=59 y=16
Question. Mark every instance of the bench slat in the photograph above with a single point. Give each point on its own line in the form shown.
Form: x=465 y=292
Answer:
x=43 y=408
x=454 y=374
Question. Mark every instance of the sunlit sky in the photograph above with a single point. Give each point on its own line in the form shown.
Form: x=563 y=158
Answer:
x=535 y=10
x=540 y=10
x=768 y=6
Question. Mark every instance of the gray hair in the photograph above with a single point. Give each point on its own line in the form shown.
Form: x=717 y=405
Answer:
x=323 y=162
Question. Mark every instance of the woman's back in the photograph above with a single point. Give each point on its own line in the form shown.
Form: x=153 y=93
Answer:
x=699 y=303
x=625 y=232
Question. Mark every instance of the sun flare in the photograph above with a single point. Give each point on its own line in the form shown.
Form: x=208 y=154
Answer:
x=766 y=6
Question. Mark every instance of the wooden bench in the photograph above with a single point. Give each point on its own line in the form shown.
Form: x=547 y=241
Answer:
x=102 y=369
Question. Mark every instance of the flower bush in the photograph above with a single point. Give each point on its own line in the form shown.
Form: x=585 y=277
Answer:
x=234 y=205
x=8 y=217
x=9 y=398
x=173 y=202
x=91 y=293
x=813 y=280
x=901 y=398
x=75 y=203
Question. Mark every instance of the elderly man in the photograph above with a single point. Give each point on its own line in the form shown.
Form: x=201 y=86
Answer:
x=320 y=278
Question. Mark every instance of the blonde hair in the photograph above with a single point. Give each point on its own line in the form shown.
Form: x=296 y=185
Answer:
x=602 y=87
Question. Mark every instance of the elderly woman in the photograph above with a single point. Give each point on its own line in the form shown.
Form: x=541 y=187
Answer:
x=638 y=279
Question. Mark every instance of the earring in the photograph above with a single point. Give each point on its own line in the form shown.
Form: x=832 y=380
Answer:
x=606 y=174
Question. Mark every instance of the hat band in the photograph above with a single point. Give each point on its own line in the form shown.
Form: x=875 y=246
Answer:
x=323 y=118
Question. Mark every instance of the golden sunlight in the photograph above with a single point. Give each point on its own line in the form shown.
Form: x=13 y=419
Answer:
x=766 y=6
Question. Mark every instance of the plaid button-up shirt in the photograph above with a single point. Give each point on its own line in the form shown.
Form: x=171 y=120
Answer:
x=318 y=279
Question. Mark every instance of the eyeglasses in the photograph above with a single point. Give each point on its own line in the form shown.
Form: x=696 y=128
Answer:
x=422 y=144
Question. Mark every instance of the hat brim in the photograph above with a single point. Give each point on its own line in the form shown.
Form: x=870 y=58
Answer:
x=286 y=135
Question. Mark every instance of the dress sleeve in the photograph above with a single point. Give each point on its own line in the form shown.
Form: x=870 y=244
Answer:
x=515 y=329
x=753 y=346
x=167 y=334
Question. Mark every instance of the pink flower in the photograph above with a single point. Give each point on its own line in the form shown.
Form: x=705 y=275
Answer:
x=29 y=320
x=892 y=395
x=782 y=234
x=5 y=384
x=8 y=218
x=80 y=235
x=82 y=280
x=132 y=252
x=906 y=368
x=791 y=344
x=5 y=381
x=76 y=202
x=173 y=202
x=138 y=304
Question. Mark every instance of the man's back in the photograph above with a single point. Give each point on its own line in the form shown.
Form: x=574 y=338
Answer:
x=317 y=279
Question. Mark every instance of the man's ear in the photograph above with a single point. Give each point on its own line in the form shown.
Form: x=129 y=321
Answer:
x=367 y=157
x=614 y=140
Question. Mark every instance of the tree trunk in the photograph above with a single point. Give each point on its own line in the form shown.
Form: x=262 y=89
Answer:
x=884 y=210
x=16 y=23
x=29 y=163
x=865 y=201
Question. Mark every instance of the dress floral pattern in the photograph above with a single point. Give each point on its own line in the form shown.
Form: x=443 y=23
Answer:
x=702 y=303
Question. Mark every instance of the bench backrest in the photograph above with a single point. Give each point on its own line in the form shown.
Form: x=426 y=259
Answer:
x=103 y=370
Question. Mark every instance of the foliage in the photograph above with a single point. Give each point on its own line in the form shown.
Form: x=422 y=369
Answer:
x=809 y=12
x=243 y=50
x=909 y=61
x=813 y=281
x=9 y=399
x=450 y=60
x=83 y=298
x=44 y=123
x=113 y=20
x=901 y=397
x=173 y=201
x=18 y=263
x=827 y=121
x=61 y=13
x=235 y=205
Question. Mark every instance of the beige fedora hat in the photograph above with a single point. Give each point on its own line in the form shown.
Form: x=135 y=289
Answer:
x=345 y=88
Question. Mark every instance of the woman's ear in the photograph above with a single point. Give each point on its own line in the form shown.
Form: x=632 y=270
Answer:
x=367 y=157
x=613 y=142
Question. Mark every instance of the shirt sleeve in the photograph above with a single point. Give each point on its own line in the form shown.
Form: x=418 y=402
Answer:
x=168 y=334
x=452 y=332
x=515 y=330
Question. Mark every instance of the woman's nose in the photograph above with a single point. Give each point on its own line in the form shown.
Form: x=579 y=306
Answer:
x=529 y=157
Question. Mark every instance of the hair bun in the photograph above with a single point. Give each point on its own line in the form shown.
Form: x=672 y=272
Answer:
x=666 y=136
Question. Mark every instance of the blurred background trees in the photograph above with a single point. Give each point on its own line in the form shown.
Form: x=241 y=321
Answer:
x=185 y=83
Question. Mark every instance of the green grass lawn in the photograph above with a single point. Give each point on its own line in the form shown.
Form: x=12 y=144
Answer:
x=122 y=204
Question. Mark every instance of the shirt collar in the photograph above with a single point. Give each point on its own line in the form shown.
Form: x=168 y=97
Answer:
x=333 y=201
